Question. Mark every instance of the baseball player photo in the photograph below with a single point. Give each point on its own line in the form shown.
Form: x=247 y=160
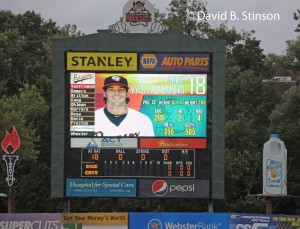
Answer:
x=116 y=118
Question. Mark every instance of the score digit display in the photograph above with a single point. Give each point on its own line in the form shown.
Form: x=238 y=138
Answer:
x=176 y=163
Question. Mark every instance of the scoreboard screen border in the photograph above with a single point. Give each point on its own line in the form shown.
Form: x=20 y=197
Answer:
x=216 y=101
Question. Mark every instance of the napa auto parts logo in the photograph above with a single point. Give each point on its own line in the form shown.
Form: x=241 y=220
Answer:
x=191 y=62
x=148 y=61
x=174 y=188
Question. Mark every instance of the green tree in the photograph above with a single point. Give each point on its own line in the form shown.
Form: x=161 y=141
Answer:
x=21 y=47
x=24 y=111
x=25 y=91
x=293 y=53
x=243 y=166
x=182 y=16
x=11 y=44
x=285 y=120
x=230 y=36
x=247 y=55
x=277 y=65
x=297 y=17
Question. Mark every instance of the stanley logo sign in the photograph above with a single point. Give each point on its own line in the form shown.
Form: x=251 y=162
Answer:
x=96 y=61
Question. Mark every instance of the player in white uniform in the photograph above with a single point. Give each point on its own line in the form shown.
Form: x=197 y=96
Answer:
x=116 y=119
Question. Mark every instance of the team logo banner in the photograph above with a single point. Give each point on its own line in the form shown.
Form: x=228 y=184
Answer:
x=179 y=62
x=138 y=16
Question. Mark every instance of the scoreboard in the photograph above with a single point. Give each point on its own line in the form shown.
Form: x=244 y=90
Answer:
x=172 y=89
x=176 y=163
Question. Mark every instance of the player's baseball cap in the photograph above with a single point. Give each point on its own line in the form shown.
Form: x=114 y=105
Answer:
x=115 y=80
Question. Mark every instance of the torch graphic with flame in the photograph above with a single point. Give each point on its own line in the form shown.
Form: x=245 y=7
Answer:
x=10 y=141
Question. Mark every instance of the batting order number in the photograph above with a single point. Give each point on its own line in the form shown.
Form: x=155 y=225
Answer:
x=198 y=85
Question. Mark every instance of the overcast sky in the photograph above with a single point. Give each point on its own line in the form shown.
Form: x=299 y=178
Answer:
x=91 y=15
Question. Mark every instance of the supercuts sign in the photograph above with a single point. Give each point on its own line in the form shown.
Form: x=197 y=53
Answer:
x=138 y=16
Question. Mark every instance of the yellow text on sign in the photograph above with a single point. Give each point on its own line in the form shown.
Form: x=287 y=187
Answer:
x=95 y=218
x=98 y=61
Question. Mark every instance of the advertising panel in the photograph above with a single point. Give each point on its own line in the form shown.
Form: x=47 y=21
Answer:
x=88 y=61
x=101 y=187
x=94 y=220
x=180 y=62
x=30 y=221
x=260 y=221
x=178 y=220
x=103 y=143
x=174 y=188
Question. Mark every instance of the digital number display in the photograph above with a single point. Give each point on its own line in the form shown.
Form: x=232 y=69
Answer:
x=176 y=163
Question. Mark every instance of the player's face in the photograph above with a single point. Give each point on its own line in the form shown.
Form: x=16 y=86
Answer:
x=116 y=95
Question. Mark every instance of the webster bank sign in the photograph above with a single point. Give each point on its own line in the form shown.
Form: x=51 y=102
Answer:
x=101 y=61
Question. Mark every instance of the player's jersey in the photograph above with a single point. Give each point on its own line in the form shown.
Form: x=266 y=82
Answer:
x=135 y=124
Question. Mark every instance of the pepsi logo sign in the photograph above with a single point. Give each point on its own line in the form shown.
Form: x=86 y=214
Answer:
x=173 y=188
x=159 y=188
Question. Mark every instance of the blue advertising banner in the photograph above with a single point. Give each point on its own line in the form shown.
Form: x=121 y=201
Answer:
x=177 y=62
x=100 y=187
x=260 y=221
x=178 y=220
